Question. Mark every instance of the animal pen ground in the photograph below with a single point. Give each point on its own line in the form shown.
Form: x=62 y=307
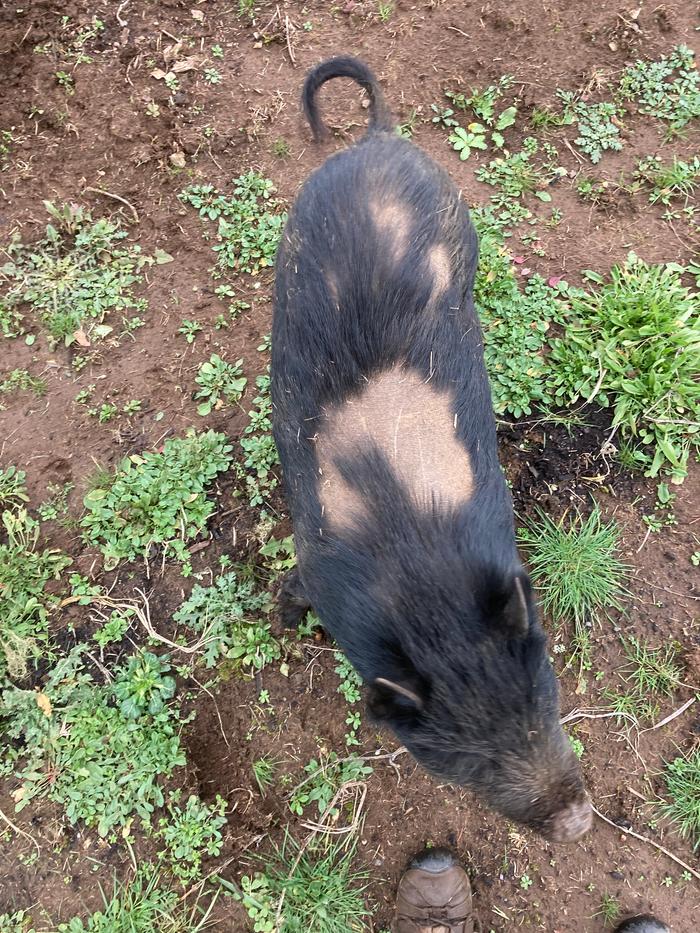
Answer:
x=166 y=749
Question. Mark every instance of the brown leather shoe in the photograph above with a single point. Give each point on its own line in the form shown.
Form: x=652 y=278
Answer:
x=434 y=896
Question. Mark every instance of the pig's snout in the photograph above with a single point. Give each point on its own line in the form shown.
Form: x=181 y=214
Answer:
x=572 y=822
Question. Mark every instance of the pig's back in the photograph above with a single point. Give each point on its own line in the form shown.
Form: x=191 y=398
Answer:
x=374 y=289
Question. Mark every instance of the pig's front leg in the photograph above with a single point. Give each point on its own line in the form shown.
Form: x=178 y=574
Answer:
x=292 y=601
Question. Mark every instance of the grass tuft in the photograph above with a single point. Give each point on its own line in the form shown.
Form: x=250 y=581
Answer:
x=652 y=670
x=143 y=904
x=318 y=888
x=682 y=777
x=575 y=566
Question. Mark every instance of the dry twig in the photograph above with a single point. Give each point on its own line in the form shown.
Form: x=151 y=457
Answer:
x=655 y=845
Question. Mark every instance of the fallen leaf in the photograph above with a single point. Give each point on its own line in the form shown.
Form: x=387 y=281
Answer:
x=177 y=159
x=554 y=280
x=171 y=52
x=519 y=259
x=19 y=794
x=44 y=704
x=158 y=74
x=81 y=338
x=197 y=15
x=186 y=64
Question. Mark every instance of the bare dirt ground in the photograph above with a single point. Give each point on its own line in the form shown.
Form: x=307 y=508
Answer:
x=104 y=137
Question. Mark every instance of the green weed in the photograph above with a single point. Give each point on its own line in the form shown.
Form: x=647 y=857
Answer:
x=280 y=148
x=682 y=778
x=6 y=142
x=597 y=124
x=69 y=45
x=574 y=565
x=324 y=779
x=144 y=686
x=405 y=129
x=651 y=670
x=444 y=117
x=78 y=749
x=72 y=279
x=232 y=617
x=518 y=174
x=668 y=89
x=246 y=8
x=629 y=705
x=190 y=833
x=483 y=102
x=592 y=189
x=13 y=491
x=189 y=330
x=25 y=572
x=57 y=503
x=349 y=687
x=115 y=628
x=483 y=105
x=669 y=182
x=17 y=922
x=264 y=770
x=105 y=413
x=221 y=384
x=648 y=673
x=466 y=141
x=385 y=11
x=249 y=223
x=280 y=555
x=317 y=888
x=19 y=380
x=543 y=118
x=350 y=680
x=259 y=449
x=156 y=499
x=515 y=324
x=633 y=345
x=609 y=909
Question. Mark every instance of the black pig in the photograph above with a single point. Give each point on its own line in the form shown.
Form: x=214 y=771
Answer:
x=403 y=522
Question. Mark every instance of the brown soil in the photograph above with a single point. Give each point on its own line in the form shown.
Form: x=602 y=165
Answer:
x=102 y=137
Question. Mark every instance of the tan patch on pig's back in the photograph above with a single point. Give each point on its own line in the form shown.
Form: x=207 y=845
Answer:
x=413 y=425
x=392 y=221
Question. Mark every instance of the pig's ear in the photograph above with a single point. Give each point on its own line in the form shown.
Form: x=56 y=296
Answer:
x=515 y=614
x=390 y=700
